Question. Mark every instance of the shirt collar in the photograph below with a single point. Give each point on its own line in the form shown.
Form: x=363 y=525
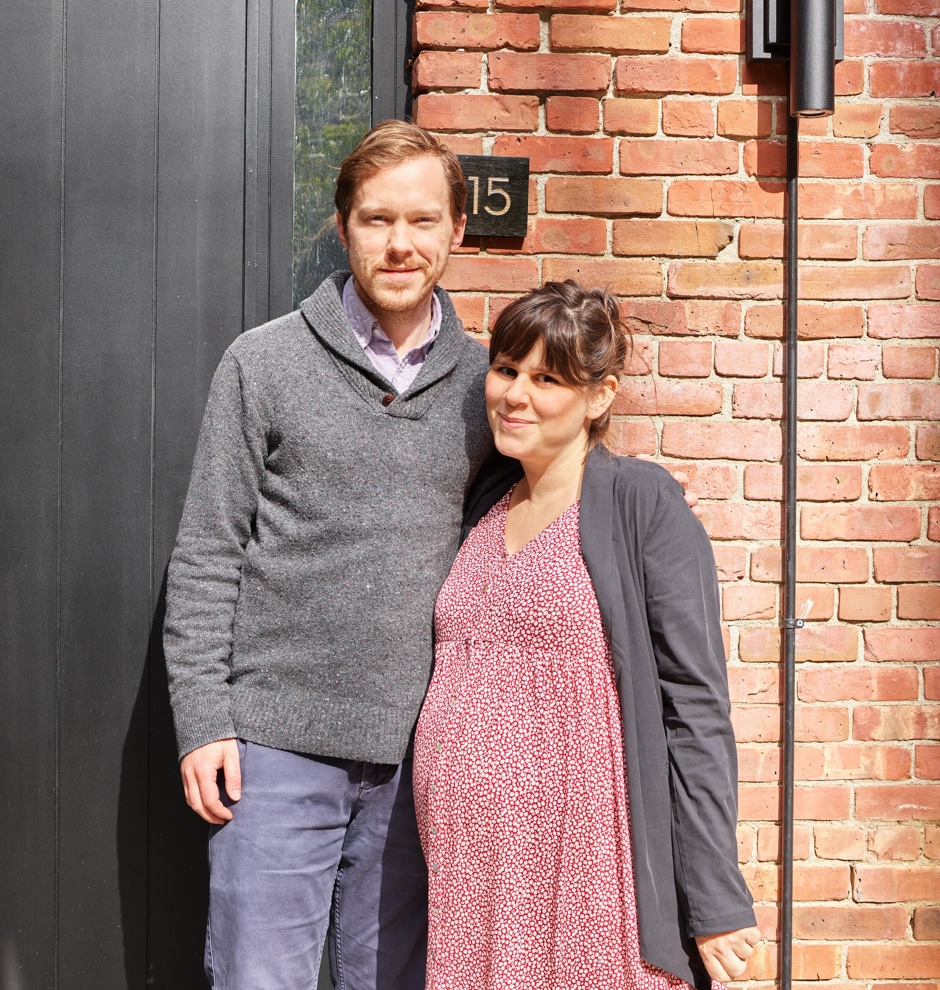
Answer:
x=367 y=329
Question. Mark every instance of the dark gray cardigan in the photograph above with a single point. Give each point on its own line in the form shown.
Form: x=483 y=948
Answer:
x=653 y=571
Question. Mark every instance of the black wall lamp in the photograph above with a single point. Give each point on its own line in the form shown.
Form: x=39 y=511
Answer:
x=807 y=33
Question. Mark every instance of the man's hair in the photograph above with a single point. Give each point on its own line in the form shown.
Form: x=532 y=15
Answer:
x=387 y=145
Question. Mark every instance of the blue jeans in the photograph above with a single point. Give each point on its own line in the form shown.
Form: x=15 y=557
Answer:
x=317 y=847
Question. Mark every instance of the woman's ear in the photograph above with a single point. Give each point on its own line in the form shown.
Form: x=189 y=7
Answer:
x=604 y=395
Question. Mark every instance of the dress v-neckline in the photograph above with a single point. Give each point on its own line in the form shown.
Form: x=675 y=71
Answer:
x=507 y=556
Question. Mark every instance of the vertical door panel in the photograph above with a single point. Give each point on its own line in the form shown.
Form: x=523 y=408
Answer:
x=30 y=179
x=107 y=348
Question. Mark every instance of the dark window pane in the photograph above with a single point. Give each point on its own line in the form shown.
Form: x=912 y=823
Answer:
x=332 y=111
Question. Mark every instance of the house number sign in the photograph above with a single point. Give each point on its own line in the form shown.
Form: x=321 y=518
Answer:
x=497 y=195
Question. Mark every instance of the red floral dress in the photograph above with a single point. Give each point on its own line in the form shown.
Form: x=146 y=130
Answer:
x=519 y=777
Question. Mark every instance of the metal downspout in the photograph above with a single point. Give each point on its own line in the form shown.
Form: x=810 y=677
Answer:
x=790 y=623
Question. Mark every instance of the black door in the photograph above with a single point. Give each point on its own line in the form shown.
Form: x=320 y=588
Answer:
x=146 y=187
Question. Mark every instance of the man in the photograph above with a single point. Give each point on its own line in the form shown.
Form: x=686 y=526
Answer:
x=322 y=517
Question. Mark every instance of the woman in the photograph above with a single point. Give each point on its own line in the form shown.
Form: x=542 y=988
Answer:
x=575 y=772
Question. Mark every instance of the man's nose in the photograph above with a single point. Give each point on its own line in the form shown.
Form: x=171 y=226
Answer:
x=399 y=238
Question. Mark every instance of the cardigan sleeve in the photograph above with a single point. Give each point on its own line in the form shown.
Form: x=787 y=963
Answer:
x=205 y=567
x=682 y=606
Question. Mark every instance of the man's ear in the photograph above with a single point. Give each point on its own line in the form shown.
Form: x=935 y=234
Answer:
x=341 y=230
x=459 y=229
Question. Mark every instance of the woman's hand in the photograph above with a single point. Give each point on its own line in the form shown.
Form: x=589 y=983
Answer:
x=725 y=955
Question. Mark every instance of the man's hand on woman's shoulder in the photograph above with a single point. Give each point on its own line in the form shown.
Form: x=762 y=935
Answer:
x=690 y=497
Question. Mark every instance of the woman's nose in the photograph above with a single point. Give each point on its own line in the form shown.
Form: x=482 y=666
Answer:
x=516 y=393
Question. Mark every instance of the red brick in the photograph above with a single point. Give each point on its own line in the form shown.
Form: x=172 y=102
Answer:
x=899 y=80
x=865 y=604
x=769 y=841
x=902 y=645
x=849 y=78
x=761 y=764
x=858 y=684
x=848 y=201
x=761 y=723
x=710 y=6
x=852 y=443
x=896 y=241
x=605 y=196
x=868 y=763
x=909 y=362
x=850 y=923
x=932 y=202
x=725 y=280
x=855 y=282
x=654 y=74
x=725 y=198
x=619 y=35
x=818 y=160
x=471 y=310
x=822 y=241
x=810 y=883
x=895 y=722
x=810 y=364
x=589 y=6
x=919 y=601
x=462 y=112
x=888 y=39
x=818 y=401
x=858 y=362
x=685 y=358
x=933 y=524
x=645 y=397
x=901 y=802
x=729 y=560
x=909 y=8
x=903 y=402
x=815 y=602
x=744 y=118
x=860 y=522
x=927 y=922
x=927 y=762
x=814 y=483
x=916 y=162
x=904 y=482
x=858 y=120
x=625 y=116
x=461 y=144
x=928 y=443
x=573 y=114
x=927 y=282
x=710 y=440
x=512 y=72
x=818 y=644
x=688 y=118
x=892 y=961
x=814 y=322
x=632 y=438
x=564 y=235
x=907 y=564
x=754 y=685
x=481 y=32
x=677 y=156
x=844 y=564
x=558 y=154
x=894 y=842
x=747 y=602
x=683 y=318
x=915 y=121
x=890 y=884
x=741 y=358
x=683 y=238
x=932 y=841
x=906 y=322
x=447 y=70
x=713 y=35
x=627 y=277
x=490 y=274
x=726 y=521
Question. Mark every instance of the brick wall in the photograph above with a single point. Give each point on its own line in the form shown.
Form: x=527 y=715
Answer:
x=657 y=160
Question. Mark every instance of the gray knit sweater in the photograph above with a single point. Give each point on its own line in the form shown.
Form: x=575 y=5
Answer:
x=319 y=525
